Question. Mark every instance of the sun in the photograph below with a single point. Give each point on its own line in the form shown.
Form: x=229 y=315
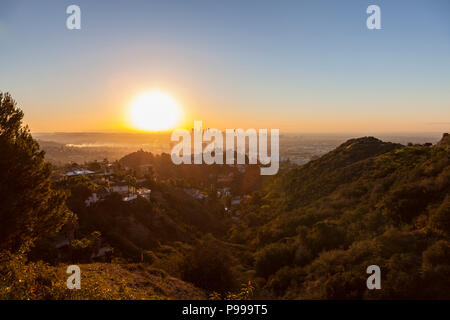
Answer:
x=154 y=111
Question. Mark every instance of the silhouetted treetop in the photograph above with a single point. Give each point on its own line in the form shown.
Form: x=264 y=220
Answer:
x=29 y=208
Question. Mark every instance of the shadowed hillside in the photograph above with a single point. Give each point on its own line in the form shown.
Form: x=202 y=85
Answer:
x=316 y=228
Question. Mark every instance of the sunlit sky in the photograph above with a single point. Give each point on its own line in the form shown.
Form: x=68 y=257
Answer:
x=305 y=66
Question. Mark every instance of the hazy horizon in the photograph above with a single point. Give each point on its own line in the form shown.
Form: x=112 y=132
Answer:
x=337 y=133
x=161 y=140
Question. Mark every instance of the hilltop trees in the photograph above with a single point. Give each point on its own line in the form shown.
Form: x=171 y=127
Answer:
x=29 y=208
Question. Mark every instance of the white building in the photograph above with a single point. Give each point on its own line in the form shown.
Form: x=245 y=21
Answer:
x=92 y=199
x=144 y=192
x=235 y=201
x=78 y=173
x=132 y=197
x=195 y=193
x=119 y=189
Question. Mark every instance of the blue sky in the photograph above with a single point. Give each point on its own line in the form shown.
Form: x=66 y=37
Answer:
x=307 y=66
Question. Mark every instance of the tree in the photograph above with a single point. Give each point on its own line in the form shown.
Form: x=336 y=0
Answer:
x=131 y=183
x=150 y=174
x=94 y=166
x=29 y=207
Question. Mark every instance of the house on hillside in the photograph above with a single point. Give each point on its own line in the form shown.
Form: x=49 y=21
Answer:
x=92 y=199
x=99 y=194
x=224 y=192
x=122 y=189
x=235 y=201
x=144 y=193
x=141 y=192
x=130 y=198
x=78 y=173
x=195 y=193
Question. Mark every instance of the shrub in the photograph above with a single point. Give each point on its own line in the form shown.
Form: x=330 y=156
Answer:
x=208 y=267
x=273 y=257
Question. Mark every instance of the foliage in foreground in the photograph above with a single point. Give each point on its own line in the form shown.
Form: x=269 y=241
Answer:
x=22 y=280
x=29 y=207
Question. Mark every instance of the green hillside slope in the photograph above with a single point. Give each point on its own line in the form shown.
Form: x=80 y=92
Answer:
x=316 y=228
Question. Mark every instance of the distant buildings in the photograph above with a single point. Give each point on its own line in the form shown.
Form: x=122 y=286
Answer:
x=78 y=173
x=144 y=193
x=123 y=191
x=129 y=198
x=235 y=201
x=195 y=193
x=106 y=186
x=223 y=192
x=92 y=199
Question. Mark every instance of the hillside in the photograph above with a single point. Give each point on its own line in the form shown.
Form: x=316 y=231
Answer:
x=316 y=228
x=133 y=281
x=98 y=281
x=342 y=165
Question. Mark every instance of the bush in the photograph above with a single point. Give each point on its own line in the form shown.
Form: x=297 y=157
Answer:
x=208 y=267
x=440 y=219
x=273 y=257
x=283 y=279
x=21 y=281
x=436 y=266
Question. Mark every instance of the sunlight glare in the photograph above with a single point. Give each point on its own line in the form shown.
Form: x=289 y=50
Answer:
x=154 y=111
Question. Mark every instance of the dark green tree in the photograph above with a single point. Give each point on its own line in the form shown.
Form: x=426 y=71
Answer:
x=29 y=208
x=208 y=266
